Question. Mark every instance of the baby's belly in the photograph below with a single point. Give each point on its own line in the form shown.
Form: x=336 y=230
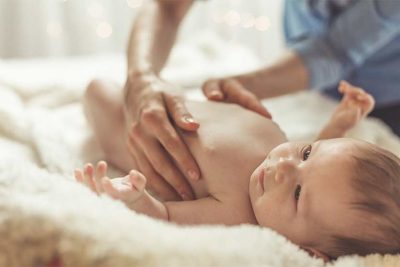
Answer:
x=229 y=144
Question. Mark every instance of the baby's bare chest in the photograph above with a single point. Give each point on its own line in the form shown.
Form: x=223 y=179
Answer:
x=228 y=146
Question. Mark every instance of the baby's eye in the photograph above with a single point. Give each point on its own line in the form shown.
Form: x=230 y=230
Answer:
x=297 y=192
x=307 y=152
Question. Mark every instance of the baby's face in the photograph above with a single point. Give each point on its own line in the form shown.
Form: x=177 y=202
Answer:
x=303 y=191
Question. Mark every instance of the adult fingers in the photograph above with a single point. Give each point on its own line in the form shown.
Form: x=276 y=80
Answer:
x=212 y=90
x=177 y=110
x=165 y=133
x=163 y=165
x=256 y=106
x=235 y=92
x=155 y=182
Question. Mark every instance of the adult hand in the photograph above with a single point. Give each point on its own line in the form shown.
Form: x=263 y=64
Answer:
x=231 y=90
x=161 y=155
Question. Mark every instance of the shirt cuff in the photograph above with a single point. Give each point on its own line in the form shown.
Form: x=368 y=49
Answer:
x=324 y=67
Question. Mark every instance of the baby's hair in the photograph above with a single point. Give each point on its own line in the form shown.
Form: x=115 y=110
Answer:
x=377 y=185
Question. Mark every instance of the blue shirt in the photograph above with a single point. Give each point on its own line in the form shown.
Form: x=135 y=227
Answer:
x=355 y=40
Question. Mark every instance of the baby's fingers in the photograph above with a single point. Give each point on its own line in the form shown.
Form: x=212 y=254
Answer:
x=345 y=87
x=88 y=177
x=109 y=188
x=367 y=103
x=78 y=175
x=137 y=180
x=354 y=92
x=101 y=171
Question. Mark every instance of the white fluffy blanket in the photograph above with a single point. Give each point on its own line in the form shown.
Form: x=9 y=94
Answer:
x=44 y=214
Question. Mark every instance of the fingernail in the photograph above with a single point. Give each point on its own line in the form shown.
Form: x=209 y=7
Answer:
x=193 y=175
x=184 y=196
x=215 y=93
x=190 y=120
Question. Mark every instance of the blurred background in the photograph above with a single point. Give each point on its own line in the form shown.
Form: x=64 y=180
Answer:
x=60 y=28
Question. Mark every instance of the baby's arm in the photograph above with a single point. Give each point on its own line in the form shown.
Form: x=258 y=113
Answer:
x=131 y=190
x=208 y=210
x=128 y=189
x=354 y=106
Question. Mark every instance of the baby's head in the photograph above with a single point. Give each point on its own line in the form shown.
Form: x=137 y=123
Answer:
x=332 y=197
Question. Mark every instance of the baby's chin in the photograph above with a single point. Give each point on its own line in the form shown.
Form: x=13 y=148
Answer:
x=254 y=175
x=253 y=192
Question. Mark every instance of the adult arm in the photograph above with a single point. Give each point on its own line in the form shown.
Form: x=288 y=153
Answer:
x=356 y=34
x=150 y=102
x=287 y=75
x=323 y=60
x=153 y=35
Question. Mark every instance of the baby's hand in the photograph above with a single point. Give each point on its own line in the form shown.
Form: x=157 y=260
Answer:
x=354 y=106
x=128 y=189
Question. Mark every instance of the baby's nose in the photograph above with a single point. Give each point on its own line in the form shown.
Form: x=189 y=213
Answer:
x=284 y=169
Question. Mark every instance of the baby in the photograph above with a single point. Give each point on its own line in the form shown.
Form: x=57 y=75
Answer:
x=331 y=197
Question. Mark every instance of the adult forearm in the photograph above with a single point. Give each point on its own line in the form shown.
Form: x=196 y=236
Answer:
x=287 y=75
x=153 y=108
x=153 y=35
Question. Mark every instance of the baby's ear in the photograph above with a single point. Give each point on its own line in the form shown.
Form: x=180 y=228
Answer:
x=316 y=253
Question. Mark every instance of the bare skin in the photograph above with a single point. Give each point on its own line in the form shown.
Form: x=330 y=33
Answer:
x=210 y=153
x=149 y=101
x=155 y=113
x=234 y=190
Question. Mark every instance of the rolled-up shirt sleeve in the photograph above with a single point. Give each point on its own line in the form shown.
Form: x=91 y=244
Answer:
x=356 y=34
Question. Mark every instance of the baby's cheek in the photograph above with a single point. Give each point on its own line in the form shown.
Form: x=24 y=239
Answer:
x=269 y=211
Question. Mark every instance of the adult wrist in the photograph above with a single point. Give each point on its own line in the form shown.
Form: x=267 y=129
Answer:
x=138 y=80
x=260 y=82
x=287 y=75
x=140 y=73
